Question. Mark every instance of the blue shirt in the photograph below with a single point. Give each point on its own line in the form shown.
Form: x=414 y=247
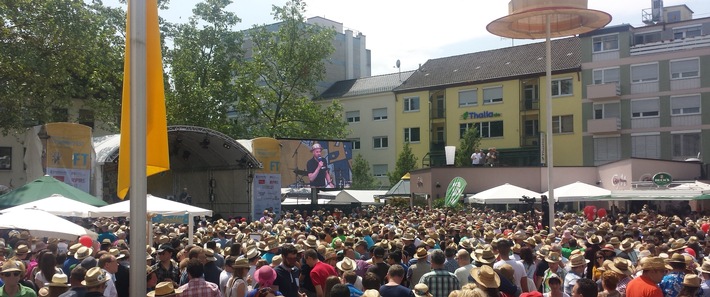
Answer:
x=354 y=292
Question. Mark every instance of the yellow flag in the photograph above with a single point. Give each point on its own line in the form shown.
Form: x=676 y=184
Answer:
x=157 y=158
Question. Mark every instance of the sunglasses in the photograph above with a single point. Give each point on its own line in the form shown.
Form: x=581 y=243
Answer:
x=8 y=274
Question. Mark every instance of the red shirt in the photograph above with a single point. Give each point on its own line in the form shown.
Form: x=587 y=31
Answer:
x=320 y=272
x=643 y=286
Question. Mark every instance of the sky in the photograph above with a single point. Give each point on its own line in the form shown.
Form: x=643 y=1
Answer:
x=416 y=31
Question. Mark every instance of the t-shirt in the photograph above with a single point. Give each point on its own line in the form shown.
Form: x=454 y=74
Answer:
x=311 y=166
x=320 y=272
x=287 y=280
x=380 y=269
x=643 y=286
x=518 y=270
x=395 y=291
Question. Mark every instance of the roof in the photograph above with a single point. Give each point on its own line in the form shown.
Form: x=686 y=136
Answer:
x=366 y=85
x=493 y=65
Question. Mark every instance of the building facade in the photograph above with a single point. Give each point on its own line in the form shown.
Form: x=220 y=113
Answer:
x=645 y=90
x=499 y=92
x=369 y=109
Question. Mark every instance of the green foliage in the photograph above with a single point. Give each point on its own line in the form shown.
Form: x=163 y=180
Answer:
x=205 y=54
x=470 y=141
x=55 y=51
x=362 y=176
x=441 y=203
x=278 y=81
x=406 y=162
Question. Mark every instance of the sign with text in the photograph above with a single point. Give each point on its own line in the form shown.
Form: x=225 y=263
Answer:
x=662 y=179
x=454 y=191
x=180 y=219
x=70 y=154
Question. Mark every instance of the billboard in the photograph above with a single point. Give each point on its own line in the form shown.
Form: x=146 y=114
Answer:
x=70 y=154
x=323 y=164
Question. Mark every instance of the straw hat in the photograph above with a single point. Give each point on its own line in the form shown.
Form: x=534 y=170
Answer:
x=677 y=245
x=577 y=260
x=251 y=253
x=421 y=290
x=487 y=256
x=486 y=277
x=94 y=277
x=676 y=258
x=621 y=266
x=59 y=280
x=164 y=289
x=311 y=241
x=553 y=257
x=241 y=263
x=594 y=239
x=627 y=244
x=421 y=253
x=705 y=268
x=9 y=266
x=654 y=263
x=691 y=280
x=346 y=264
x=83 y=252
x=407 y=236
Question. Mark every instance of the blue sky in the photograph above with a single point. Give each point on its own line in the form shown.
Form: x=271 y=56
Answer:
x=415 y=31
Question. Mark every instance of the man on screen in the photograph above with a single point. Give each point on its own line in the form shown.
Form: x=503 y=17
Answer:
x=317 y=167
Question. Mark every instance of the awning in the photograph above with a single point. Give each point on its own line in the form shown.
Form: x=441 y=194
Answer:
x=677 y=195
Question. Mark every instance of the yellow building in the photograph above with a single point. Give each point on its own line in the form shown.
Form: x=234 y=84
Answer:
x=499 y=92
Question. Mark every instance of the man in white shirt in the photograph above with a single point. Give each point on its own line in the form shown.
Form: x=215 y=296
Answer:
x=504 y=248
x=465 y=266
x=108 y=263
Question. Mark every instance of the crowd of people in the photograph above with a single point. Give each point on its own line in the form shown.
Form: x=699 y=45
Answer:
x=376 y=251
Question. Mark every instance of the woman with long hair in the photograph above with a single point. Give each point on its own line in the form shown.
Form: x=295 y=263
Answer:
x=598 y=263
x=46 y=268
x=237 y=284
x=528 y=260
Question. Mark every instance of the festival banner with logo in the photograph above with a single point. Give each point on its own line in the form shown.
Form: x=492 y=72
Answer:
x=454 y=191
x=70 y=154
x=266 y=184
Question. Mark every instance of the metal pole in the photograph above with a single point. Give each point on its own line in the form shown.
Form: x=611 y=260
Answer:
x=548 y=138
x=139 y=189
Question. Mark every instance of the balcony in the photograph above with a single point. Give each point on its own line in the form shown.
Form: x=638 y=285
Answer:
x=604 y=126
x=529 y=104
x=670 y=45
x=603 y=91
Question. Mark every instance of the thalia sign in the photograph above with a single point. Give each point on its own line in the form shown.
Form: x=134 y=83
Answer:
x=479 y=115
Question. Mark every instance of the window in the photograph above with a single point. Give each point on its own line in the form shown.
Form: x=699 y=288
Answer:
x=606 y=110
x=411 y=104
x=562 y=87
x=492 y=95
x=685 y=68
x=607 y=149
x=468 y=98
x=352 y=116
x=532 y=127
x=411 y=135
x=490 y=129
x=356 y=143
x=687 y=32
x=380 y=142
x=685 y=105
x=86 y=117
x=646 y=146
x=605 y=43
x=686 y=144
x=644 y=73
x=463 y=127
x=649 y=37
x=379 y=114
x=605 y=76
x=644 y=108
x=563 y=124
x=379 y=170
x=6 y=158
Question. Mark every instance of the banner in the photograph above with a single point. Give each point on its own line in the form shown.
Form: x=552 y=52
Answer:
x=70 y=154
x=267 y=195
x=454 y=191
x=180 y=219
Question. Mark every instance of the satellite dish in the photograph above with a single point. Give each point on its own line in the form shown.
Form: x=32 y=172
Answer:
x=398 y=63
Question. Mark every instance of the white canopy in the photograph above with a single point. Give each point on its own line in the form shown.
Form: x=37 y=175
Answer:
x=302 y=201
x=578 y=191
x=503 y=194
x=357 y=196
x=57 y=205
x=43 y=224
x=155 y=205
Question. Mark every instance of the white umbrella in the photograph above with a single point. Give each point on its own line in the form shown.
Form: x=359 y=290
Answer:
x=154 y=205
x=503 y=194
x=578 y=191
x=57 y=205
x=43 y=224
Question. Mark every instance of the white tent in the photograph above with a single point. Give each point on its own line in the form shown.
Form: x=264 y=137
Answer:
x=43 y=224
x=302 y=201
x=57 y=205
x=503 y=194
x=357 y=196
x=578 y=191
x=154 y=205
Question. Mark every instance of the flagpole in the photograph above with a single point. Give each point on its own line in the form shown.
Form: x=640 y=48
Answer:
x=138 y=189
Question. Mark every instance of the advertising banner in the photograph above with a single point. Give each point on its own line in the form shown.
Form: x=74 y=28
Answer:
x=69 y=154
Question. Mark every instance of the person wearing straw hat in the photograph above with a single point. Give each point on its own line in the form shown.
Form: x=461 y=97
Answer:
x=553 y=260
x=164 y=289
x=95 y=282
x=704 y=272
x=691 y=286
x=590 y=252
x=486 y=279
x=416 y=270
x=577 y=264
x=672 y=282
x=646 y=285
x=622 y=268
x=628 y=252
x=58 y=285
x=11 y=274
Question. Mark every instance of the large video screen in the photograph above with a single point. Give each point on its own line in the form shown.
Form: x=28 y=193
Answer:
x=323 y=164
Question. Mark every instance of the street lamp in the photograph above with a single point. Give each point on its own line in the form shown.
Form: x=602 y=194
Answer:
x=534 y=19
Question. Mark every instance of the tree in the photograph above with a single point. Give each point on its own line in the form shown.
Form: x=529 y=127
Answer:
x=202 y=63
x=470 y=141
x=279 y=79
x=57 y=51
x=406 y=162
x=362 y=176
